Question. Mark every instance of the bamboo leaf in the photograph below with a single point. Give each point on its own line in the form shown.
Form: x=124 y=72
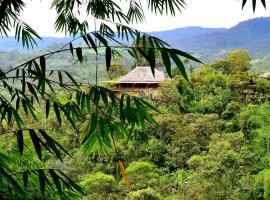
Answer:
x=36 y=142
x=57 y=112
x=47 y=108
x=71 y=48
x=244 y=3
x=179 y=65
x=43 y=65
x=60 y=77
x=92 y=42
x=152 y=60
x=184 y=54
x=42 y=181
x=167 y=62
x=25 y=179
x=79 y=54
x=56 y=181
x=19 y=136
x=51 y=143
x=72 y=79
x=263 y=3
x=108 y=55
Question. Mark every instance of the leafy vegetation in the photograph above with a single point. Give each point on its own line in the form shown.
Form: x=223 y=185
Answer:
x=211 y=141
x=114 y=143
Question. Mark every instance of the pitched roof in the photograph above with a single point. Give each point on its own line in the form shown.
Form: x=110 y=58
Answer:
x=143 y=75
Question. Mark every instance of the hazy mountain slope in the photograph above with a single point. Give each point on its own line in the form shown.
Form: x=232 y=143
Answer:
x=174 y=35
x=10 y=43
x=206 y=43
x=253 y=35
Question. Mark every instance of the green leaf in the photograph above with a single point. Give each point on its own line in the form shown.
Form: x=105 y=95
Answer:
x=108 y=55
x=85 y=40
x=167 y=62
x=36 y=142
x=47 y=108
x=244 y=3
x=184 y=54
x=254 y=5
x=71 y=48
x=25 y=179
x=104 y=96
x=148 y=104
x=101 y=39
x=51 y=143
x=43 y=65
x=73 y=184
x=42 y=181
x=152 y=60
x=179 y=65
x=19 y=135
x=72 y=79
x=10 y=179
x=57 y=112
x=56 y=181
x=17 y=103
x=94 y=120
x=263 y=3
x=92 y=42
x=32 y=90
x=79 y=54
x=18 y=119
x=60 y=77
x=122 y=114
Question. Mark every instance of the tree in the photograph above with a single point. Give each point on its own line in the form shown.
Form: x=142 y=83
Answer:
x=116 y=71
x=215 y=173
x=237 y=61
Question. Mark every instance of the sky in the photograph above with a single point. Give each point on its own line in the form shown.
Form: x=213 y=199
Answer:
x=205 y=13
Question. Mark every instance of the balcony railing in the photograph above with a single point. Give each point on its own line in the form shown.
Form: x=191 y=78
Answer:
x=130 y=89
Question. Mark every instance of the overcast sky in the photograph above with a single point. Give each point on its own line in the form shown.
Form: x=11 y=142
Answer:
x=205 y=13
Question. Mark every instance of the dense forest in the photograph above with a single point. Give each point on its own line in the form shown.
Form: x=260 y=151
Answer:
x=210 y=141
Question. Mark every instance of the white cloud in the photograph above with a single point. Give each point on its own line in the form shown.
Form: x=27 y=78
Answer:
x=206 y=13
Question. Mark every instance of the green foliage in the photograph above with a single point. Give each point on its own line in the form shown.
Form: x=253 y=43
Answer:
x=143 y=194
x=116 y=71
x=262 y=185
x=95 y=183
x=142 y=174
x=237 y=61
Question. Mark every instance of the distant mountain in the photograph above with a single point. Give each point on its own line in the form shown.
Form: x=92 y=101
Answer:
x=181 y=33
x=253 y=35
x=11 y=44
x=206 y=43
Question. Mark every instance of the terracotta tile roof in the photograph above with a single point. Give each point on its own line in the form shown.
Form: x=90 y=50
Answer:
x=143 y=75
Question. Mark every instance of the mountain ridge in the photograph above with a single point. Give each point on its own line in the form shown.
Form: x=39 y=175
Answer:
x=206 y=43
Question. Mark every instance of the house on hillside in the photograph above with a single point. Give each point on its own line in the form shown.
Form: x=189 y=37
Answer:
x=140 y=79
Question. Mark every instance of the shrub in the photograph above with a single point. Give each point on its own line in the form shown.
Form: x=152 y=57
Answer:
x=142 y=174
x=144 y=194
x=98 y=182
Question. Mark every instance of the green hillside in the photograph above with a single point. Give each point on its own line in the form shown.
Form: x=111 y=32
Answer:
x=261 y=64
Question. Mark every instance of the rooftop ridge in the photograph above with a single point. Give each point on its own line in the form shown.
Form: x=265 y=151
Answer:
x=142 y=74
